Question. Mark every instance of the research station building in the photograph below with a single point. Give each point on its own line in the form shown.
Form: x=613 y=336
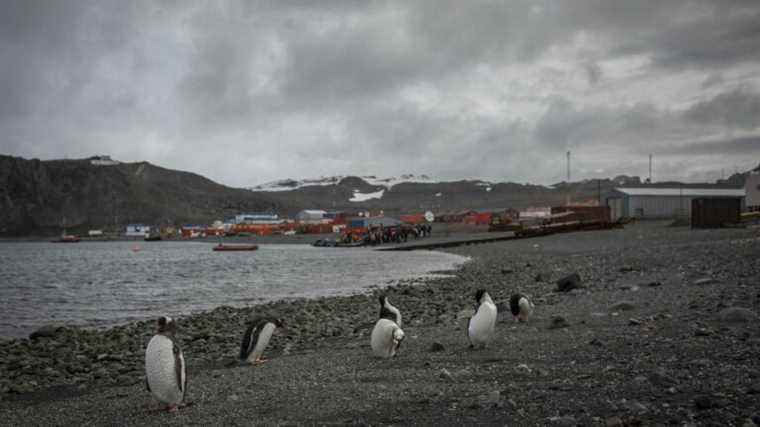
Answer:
x=663 y=203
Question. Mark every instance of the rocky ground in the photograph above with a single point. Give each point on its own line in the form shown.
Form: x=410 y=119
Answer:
x=663 y=330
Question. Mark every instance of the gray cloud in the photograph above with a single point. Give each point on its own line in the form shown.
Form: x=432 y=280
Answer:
x=245 y=92
x=739 y=109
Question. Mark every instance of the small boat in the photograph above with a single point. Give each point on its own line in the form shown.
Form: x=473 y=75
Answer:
x=67 y=238
x=235 y=247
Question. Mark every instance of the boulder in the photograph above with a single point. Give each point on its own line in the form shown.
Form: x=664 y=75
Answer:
x=569 y=283
x=47 y=331
x=737 y=315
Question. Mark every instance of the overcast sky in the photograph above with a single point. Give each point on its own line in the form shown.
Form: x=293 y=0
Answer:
x=249 y=92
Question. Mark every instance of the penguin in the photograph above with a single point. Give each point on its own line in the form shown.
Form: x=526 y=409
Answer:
x=521 y=307
x=165 y=374
x=387 y=311
x=481 y=325
x=256 y=339
x=386 y=338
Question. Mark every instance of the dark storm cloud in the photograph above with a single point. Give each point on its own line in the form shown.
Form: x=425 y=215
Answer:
x=245 y=92
x=743 y=146
x=738 y=109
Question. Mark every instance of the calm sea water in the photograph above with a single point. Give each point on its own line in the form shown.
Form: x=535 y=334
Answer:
x=107 y=283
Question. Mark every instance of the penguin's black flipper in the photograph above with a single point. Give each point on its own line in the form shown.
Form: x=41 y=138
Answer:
x=250 y=338
x=147 y=384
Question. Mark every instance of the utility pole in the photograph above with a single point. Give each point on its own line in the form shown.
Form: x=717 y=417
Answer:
x=567 y=202
x=650 y=168
x=599 y=191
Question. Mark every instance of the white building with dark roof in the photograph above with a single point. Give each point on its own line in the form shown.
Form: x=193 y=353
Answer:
x=662 y=203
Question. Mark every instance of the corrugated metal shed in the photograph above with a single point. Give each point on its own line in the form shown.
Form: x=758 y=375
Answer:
x=688 y=192
x=662 y=203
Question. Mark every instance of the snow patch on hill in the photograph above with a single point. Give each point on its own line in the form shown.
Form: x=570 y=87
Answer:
x=362 y=197
x=388 y=183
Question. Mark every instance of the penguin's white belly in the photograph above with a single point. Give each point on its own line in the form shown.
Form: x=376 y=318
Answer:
x=481 y=327
x=382 y=338
x=526 y=309
x=262 y=342
x=160 y=370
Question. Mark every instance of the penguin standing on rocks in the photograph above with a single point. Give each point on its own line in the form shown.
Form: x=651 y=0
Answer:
x=256 y=339
x=481 y=326
x=387 y=311
x=386 y=338
x=521 y=307
x=165 y=374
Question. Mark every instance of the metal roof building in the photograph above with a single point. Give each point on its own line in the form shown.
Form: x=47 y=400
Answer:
x=662 y=203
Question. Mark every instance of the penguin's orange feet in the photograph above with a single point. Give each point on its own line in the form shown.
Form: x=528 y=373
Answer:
x=172 y=408
x=259 y=361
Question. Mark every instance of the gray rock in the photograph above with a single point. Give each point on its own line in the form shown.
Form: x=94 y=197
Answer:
x=737 y=315
x=704 y=281
x=558 y=322
x=708 y=402
x=445 y=374
x=568 y=283
x=702 y=332
x=436 y=347
x=634 y=321
x=47 y=331
x=566 y=421
x=613 y=422
x=493 y=398
x=623 y=306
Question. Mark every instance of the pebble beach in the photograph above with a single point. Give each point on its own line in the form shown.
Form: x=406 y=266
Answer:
x=661 y=328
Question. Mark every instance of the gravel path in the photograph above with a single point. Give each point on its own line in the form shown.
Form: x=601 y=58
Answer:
x=663 y=331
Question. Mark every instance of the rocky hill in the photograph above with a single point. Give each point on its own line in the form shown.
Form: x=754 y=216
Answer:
x=412 y=194
x=40 y=197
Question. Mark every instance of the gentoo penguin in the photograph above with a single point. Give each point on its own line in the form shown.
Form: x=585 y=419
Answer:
x=256 y=339
x=481 y=325
x=386 y=338
x=521 y=307
x=165 y=366
x=387 y=311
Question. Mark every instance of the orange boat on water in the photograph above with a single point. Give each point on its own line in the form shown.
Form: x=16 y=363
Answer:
x=232 y=248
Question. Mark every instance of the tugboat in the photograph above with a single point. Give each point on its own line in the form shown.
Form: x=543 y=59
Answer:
x=221 y=247
x=236 y=247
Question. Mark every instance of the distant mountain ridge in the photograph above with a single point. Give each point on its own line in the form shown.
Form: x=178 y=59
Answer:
x=41 y=197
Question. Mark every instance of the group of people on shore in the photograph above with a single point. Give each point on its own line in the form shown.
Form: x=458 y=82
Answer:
x=393 y=234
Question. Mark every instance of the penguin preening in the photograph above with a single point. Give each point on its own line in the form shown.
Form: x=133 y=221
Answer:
x=386 y=338
x=256 y=339
x=165 y=374
x=481 y=325
x=387 y=311
x=521 y=307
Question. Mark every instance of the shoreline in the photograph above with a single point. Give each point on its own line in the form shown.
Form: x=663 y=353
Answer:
x=656 y=358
